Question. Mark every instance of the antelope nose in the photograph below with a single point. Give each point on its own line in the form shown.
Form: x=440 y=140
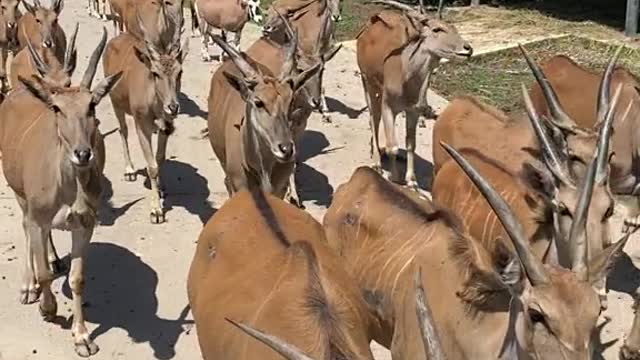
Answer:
x=11 y=25
x=47 y=43
x=468 y=48
x=173 y=109
x=82 y=156
x=287 y=150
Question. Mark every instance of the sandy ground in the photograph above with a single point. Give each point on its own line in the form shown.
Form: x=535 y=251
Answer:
x=136 y=303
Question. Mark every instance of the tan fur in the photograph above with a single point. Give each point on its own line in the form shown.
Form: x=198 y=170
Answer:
x=125 y=17
x=383 y=232
x=325 y=316
x=48 y=26
x=396 y=60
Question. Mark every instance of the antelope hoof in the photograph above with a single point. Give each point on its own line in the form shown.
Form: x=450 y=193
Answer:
x=29 y=296
x=48 y=314
x=412 y=184
x=295 y=201
x=422 y=123
x=157 y=216
x=130 y=177
x=85 y=347
x=326 y=119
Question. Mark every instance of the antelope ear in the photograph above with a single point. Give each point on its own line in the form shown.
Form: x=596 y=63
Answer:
x=326 y=57
x=30 y=8
x=299 y=80
x=104 y=87
x=142 y=57
x=37 y=89
x=243 y=86
x=58 y=5
x=601 y=264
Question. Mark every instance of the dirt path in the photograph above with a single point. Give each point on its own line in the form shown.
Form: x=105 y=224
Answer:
x=136 y=272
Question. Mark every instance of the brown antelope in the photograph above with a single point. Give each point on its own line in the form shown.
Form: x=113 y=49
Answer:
x=148 y=92
x=397 y=52
x=62 y=189
x=483 y=302
x=326 y=316
x=11 y=14
x=5 y=47
x=40 y=26
x=512 y=145
x=314 y=21
x=42 y=61
x=249 y=125
x=425 y=321
x=157 y=16
x=271 y=55
x=229 y=16
x=582 y=98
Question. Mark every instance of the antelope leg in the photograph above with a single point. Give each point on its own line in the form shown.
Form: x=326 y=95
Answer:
x=80 y=242
x=144 y=135
x=412 y=122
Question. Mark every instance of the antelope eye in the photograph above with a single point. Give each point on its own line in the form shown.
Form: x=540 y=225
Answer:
x=258 y=103
x=536 y=316
x=438 y=30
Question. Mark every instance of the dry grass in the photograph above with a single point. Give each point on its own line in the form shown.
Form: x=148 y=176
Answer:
x=495 y=77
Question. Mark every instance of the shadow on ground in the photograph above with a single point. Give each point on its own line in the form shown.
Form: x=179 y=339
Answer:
x=120 y=292
x=190 y=107
x=423 y=168
x=625 y=276
x=312 y=184
x=338 y=106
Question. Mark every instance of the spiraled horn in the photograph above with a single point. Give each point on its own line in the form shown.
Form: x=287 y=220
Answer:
x=558 y=117
x=70 y=56
x=290 y=47
x=532 y=266
x=605 y=83
x=236 y=57
x=87 y=79
x=604 y=138
x=430 y=338
x=288 y=351
x=395 y=4
x=38 y=62
x=440 y=9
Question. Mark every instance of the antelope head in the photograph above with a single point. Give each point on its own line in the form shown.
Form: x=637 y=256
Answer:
x=566 y=167
x=58 y=76
x=73 y=109
x=164 y=68
x=557 y=308
x=46 y=21
x=9 y=11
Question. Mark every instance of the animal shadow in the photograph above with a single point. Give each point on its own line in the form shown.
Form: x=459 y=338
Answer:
x=624 y=277
x=338 y=106
x=423 y=168
x=108 y=214
x=184 y=187
x=313 y=184
x=190 y=107
x=120 y=293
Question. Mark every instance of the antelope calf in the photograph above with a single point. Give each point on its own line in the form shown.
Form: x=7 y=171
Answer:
x=42 y=61
x=384 y=232
x=40 y=26
x=58 y=189
x=229 y=16
x=397 y=52
x=291 y=264
x=149 y=92
x=249 y=125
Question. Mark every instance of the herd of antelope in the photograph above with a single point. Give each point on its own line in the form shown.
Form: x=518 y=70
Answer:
x=509 y=259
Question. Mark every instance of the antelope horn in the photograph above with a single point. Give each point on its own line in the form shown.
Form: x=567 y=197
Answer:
x=605 y=83
x=558 y=117
x=36 y=3
x=440 y=9
x=70 y=56
x=430 y=338
x=245 y=68
x=552 y=158
x=87 y=79
x=533 y=268
x=288 y=351
x=577 y=235
x=604 y=138
x=291 y=46
x=421 y=7
x=395 y=4
x=38 y=62
x=179 y=22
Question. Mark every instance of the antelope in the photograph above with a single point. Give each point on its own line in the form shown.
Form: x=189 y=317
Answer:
x=248 y=124
x=154 y=15
x=40 y=25
x=42 y=61
x=542 y=311
x=4 y=54
x=271 y=55
x=229 y=16
x=60 y=190
x=425 y=321
x=11 y=14
x=314 y=21
x=149 y=93
x=514 y=147
x=582 y=98
x=397 y=52
x=327 y=317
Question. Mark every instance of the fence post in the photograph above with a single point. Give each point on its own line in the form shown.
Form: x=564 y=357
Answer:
x=631 y=23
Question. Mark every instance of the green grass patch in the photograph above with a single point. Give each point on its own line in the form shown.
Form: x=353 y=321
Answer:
x=495 y=77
